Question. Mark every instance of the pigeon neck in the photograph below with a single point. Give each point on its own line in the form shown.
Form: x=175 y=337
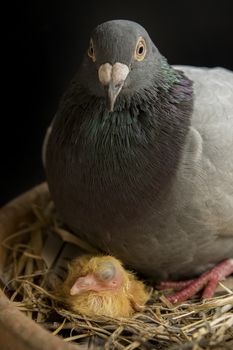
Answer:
x=125 y=160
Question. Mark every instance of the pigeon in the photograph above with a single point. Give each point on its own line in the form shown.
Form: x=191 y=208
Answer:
x=100 y=286
x=139 y=160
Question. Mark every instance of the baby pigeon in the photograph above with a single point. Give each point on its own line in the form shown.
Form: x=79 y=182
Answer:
x=100 y=286
x=139 y=159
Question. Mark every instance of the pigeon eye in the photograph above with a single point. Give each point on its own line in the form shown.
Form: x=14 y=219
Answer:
x=140 y=51
x=91 y=52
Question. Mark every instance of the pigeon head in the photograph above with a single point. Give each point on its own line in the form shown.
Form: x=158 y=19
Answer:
x=119 y=60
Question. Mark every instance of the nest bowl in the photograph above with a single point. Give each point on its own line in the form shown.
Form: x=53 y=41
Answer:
x=17 y=331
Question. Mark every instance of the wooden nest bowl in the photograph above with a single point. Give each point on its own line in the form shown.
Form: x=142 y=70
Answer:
x=17 y=331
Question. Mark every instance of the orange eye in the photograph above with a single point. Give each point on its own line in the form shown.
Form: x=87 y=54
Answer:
x=91 y=51
x=140 y=50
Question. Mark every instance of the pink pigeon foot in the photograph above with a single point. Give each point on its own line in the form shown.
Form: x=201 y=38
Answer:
x=208 y=280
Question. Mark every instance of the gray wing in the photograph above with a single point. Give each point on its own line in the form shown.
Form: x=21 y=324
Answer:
x=206 y=172
x=200 y=206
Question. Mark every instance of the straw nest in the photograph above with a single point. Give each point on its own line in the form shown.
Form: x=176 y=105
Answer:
x=193 y=325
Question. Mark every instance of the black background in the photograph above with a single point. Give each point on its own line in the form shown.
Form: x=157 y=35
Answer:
x=45 y=41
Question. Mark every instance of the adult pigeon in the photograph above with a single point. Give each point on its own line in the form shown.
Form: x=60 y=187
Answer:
x=139 y=159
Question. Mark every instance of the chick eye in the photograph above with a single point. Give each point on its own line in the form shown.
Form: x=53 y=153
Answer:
x=91 y=51
x=106 y=271
x=140 y=50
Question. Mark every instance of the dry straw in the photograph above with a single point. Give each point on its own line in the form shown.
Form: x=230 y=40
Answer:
x=194 y=325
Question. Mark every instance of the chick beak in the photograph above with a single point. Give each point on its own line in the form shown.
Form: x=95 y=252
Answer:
x=112 y=77
x=83 y=284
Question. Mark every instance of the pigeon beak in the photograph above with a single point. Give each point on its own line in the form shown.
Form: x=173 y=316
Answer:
x=112 y=78
x=111 y=92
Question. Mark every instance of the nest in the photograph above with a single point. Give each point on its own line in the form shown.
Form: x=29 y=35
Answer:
x=192 y=325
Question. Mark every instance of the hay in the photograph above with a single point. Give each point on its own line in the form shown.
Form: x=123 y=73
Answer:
x=194 y=325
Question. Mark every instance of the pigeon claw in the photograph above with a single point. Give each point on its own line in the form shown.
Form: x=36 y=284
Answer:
x=208 y=280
